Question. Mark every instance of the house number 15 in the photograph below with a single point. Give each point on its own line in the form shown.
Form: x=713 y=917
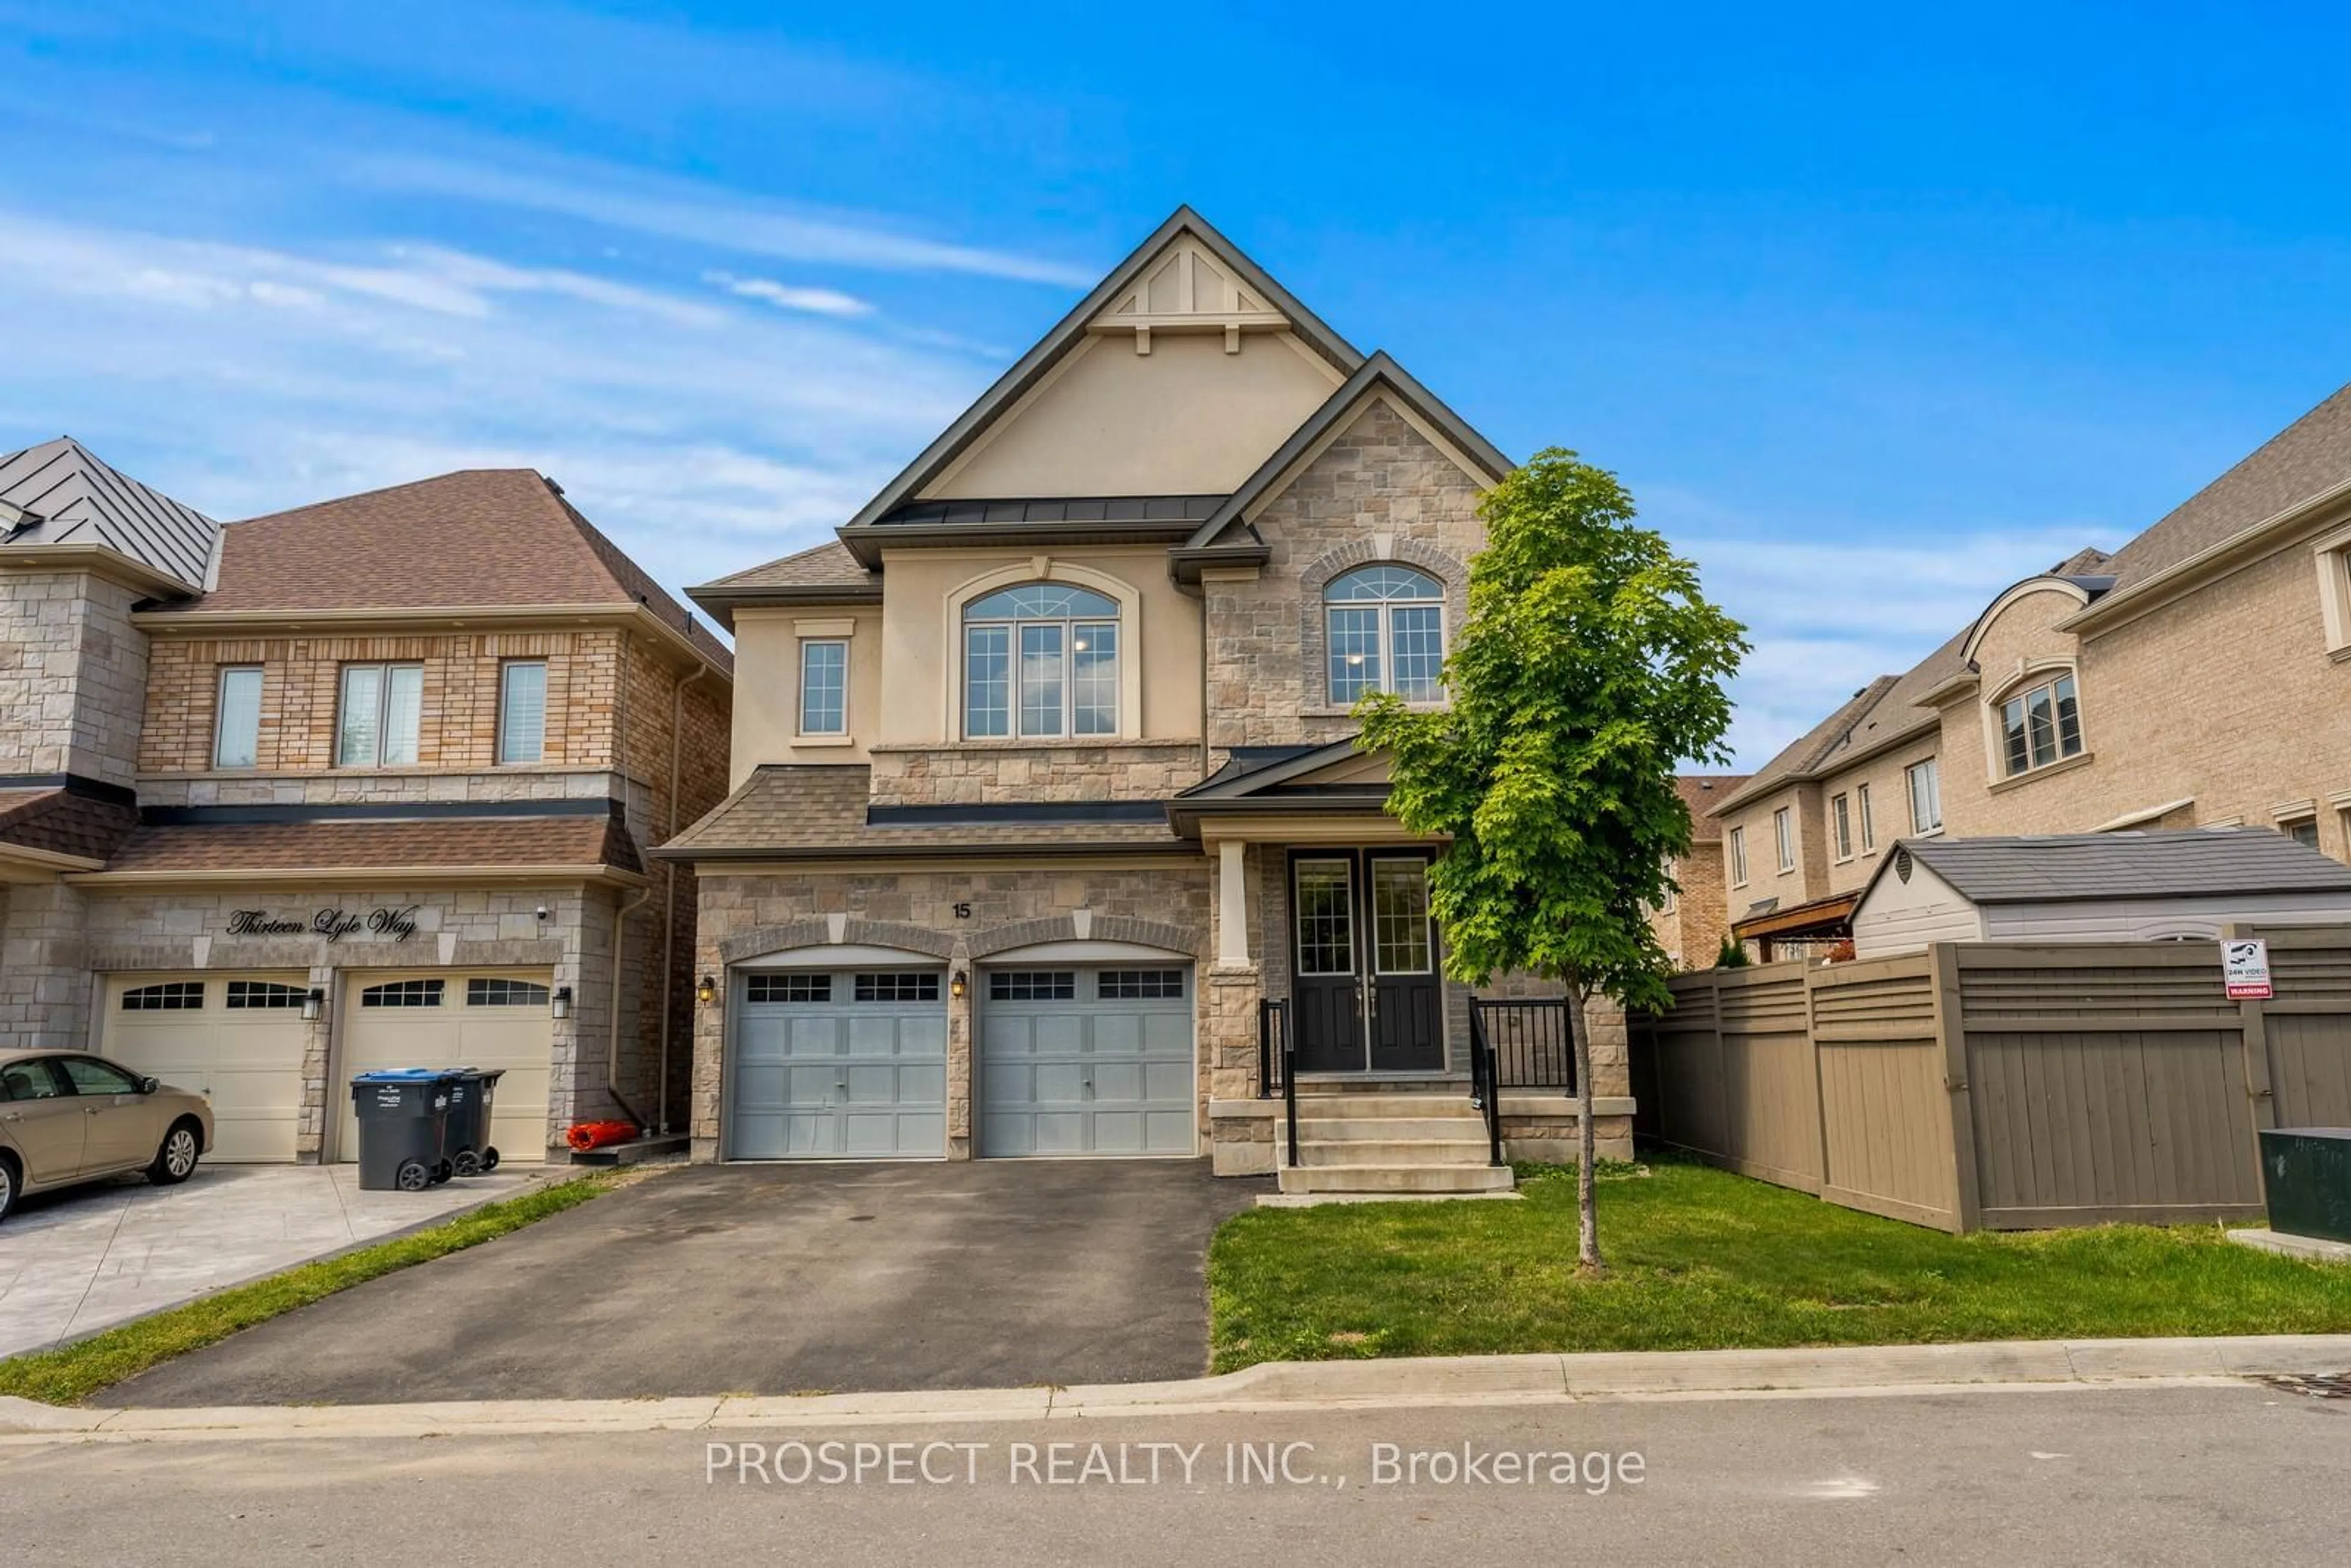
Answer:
x=963 y=912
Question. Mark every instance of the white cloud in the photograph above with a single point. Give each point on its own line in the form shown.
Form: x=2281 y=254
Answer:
x=702 y=214
x=789 y=296
x=705 y=436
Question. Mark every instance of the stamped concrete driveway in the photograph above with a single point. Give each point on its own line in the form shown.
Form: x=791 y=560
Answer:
x=769 y=1280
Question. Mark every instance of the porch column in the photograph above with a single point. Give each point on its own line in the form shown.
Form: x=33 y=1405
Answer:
x=1232 y=901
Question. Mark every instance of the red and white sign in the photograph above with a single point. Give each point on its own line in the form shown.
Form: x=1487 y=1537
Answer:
x=2245 y=967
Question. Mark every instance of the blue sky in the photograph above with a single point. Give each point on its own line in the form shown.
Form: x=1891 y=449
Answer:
x=1875 y=314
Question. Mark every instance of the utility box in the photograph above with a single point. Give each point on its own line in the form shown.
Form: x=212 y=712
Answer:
x=2306 y=1180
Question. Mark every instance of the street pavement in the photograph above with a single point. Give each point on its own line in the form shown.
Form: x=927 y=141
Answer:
x=2147 y=1474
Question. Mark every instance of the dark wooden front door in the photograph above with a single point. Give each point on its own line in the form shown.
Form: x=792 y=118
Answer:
x=1364 y=983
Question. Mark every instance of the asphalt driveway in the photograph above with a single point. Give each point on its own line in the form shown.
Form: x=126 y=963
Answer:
x=769 y=1280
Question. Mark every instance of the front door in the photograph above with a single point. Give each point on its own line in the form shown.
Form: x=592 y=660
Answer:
x=1364 y=984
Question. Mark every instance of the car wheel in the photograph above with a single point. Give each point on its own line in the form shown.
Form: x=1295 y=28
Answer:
x=175 y=1162
x=7 y=1185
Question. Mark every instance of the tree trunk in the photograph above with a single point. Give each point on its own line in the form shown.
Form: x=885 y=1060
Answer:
x=1587 y=1197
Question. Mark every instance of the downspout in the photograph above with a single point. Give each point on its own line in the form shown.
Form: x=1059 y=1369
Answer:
x=621 y=913
x=669 y=890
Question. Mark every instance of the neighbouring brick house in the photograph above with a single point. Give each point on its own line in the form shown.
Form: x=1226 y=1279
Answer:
x=1044 y=777
x=1690 y=925
x=367 y=783
x=2194 y=678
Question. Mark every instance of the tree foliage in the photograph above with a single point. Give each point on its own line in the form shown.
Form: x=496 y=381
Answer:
x=1590 y=671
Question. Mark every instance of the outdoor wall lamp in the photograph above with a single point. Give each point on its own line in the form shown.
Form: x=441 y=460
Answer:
x=705 y=990
x=563 y=1001
x=314 y=1002
x=957 y=984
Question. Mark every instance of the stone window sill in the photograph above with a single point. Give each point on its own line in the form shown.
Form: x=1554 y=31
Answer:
x=2033 y=775
x=807 y=741
x=178 y=775
x=1328 y=711
x=1064 y=743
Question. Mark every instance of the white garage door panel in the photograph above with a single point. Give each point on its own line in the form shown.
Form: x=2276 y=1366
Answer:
x=1087 y=1060
x=829 y=1076
x=246 y=1061
x=457 y=1033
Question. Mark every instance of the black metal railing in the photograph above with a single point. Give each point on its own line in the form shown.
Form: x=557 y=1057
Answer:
x=1531 y=1043
x=1277 y=1065
x=1485 y=1093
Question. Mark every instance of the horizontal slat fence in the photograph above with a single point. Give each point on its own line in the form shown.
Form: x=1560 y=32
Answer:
x=2004 y=1085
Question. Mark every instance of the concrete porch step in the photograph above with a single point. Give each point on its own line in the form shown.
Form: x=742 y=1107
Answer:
x=1394 y=1152
x=1331 y=1107
x=1395 y=1179
x=1381 y=1129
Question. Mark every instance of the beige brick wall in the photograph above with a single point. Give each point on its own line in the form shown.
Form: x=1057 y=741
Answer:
x=1691 y=932
x=2228 y=695
x=1889 y=804
x=301 y=690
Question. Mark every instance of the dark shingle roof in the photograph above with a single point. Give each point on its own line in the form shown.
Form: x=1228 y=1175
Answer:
x=73 y=498
x=63 y=822
x=2192 y=862
x=480 y=539
x=1699 y=791
x=2306 y=458
x=440 y=843
x=803 y=811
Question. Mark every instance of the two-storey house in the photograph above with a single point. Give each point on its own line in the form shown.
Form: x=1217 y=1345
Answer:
x=2194 y=678
x=1045 y=776
x=380 y=773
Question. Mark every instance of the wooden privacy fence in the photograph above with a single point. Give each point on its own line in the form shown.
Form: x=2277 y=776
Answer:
x=2012 y=1087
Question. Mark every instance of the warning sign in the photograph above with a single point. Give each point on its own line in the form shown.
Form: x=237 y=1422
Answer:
x=2245 y=967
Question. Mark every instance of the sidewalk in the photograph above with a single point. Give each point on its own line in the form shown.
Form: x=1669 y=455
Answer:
x=1274 y=1387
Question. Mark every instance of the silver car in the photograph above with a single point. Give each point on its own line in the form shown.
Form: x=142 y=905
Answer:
x=67 y=1116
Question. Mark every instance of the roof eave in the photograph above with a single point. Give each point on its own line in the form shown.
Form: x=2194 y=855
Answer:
x=867 y=541
x=720 y=603
x=107 y=562
x=2132 y=599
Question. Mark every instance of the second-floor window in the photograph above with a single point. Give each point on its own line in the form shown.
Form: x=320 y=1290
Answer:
x=1784 y=838
x=2040 y=726
x=1040 y=661
x=1384 y=628
x=522 y=710
x=1868 y=824
x=382 y=707
x=1841 y=813
x=824 y=688
x=236 y=724
x=1739 y=857
x=1925 y=797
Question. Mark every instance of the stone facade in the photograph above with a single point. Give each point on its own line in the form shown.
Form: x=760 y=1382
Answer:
x=1382 y=491
x=974 y=771
x=960 y=917
x=73 y=673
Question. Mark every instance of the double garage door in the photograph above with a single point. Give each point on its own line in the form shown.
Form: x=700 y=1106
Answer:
x=1072 y=1060
x=238 y=1039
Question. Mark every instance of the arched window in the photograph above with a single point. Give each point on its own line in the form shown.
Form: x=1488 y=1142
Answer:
x=2040 y=726
x=1386 y=632
x=1040 y=661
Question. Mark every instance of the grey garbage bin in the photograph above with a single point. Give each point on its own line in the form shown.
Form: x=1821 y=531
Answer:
x=403 y=1116
x=472 y=1092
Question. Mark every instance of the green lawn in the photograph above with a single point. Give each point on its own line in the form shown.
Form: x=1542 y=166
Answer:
x=72 y=1374
x=1699 y=1259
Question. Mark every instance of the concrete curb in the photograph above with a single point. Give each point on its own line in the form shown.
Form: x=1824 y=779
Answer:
x=1272 y=1386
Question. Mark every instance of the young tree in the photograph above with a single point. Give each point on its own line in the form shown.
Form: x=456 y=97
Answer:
x=1590 y=669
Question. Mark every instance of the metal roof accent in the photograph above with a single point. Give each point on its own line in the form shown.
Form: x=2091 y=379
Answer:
x=60 y=493
x=2185 y=862
x=1054 y=509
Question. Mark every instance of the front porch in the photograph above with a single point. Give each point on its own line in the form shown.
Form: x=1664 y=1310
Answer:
x=1340 y=1055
